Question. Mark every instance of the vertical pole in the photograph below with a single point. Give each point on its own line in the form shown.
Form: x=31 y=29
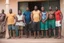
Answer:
x=7 y=10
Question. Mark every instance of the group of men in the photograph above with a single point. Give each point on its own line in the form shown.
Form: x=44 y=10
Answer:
x=35 y=22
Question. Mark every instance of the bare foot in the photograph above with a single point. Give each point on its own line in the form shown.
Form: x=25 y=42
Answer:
x=59 y=37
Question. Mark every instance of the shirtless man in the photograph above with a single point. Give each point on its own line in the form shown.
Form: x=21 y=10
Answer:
x=2 y=22
x=51 y=21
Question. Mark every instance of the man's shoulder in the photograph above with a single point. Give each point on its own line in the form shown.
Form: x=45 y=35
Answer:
x=39 y=10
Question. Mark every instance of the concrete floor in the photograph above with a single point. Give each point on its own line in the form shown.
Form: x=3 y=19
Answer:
x=32 y=40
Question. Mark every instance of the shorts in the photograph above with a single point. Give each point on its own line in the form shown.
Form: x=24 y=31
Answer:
x=36 y=26
x=19 y=27
x=11 y=27
x=28 y=27
x=51 y=24
x=58 y=24
x=44 y=26
x=2 y=27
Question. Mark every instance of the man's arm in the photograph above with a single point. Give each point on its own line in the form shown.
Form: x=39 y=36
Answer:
x=40 y=15
x=61 y=15
x=46 y=16
x=5 y=19
x=23 y=18
x=31 y=16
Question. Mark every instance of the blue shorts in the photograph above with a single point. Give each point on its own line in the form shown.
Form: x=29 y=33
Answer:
x=11 y=27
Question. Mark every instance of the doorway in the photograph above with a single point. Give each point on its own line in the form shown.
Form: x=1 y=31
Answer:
x=22 y=5
x=32 y=4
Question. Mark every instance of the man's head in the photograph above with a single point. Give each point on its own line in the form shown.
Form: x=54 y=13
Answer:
x=50 y=8
x=2 y=11
x=19 y=12
x=56 y=8
x=27 y=9
x=42 y=8
x=35 y=7
x=10 y=11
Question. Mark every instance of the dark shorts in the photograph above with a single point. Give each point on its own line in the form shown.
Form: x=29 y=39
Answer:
x=11 y=27
x=28 y=27
x=36 y=26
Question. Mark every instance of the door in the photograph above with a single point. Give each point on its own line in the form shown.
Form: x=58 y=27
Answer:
x=22 y=6
x=32 y=4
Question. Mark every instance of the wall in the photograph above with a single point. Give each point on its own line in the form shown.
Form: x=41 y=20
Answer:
x=32 y=0
x=2 y=5
x=14 y=6
x=62 y=9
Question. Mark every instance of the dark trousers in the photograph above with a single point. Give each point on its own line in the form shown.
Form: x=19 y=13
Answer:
x=36 y=26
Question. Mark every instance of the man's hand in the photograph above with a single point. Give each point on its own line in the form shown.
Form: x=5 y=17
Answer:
x=43 y=21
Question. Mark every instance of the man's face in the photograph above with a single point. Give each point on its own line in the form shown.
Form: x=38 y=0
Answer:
x=42 y=8
x=19 y=12
x=27 y=9
x=10 y=11
x=2 y=11
x=50 y=8
x=56 y=8
x=35 y=8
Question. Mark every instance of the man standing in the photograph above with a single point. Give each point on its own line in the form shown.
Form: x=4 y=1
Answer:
x=44 y=21
x=58 y=17
x=35 y=17
x=11 y=23
x=20 y=23
x=2 y=22
x=27 y=14
x=51 y=21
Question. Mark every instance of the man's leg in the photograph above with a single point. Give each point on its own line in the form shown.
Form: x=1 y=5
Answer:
x=30 y=29
x=16 y=30
x=30 y=33
x=38 y=33
x=46 y=33
x=49 y=24
x=54 y=27
x=42 y=34
x=34 y=29
x=10 y=29
x=10 y=34
x=38 y=29
x=49 y=32
x=54 y=33
x=26 y=30
x=13 y=33
x=34 y=34
x=21 y=31
x=42 y=28
x=46 y=28
x=59 y=32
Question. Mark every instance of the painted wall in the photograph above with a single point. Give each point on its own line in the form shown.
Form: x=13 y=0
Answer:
x=2 y=5
x=14 y=6
x=62 y=9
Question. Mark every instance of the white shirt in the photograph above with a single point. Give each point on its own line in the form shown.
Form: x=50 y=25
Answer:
x=20 y=17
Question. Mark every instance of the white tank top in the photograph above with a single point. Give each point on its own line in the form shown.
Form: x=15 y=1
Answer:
x=20 y=18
